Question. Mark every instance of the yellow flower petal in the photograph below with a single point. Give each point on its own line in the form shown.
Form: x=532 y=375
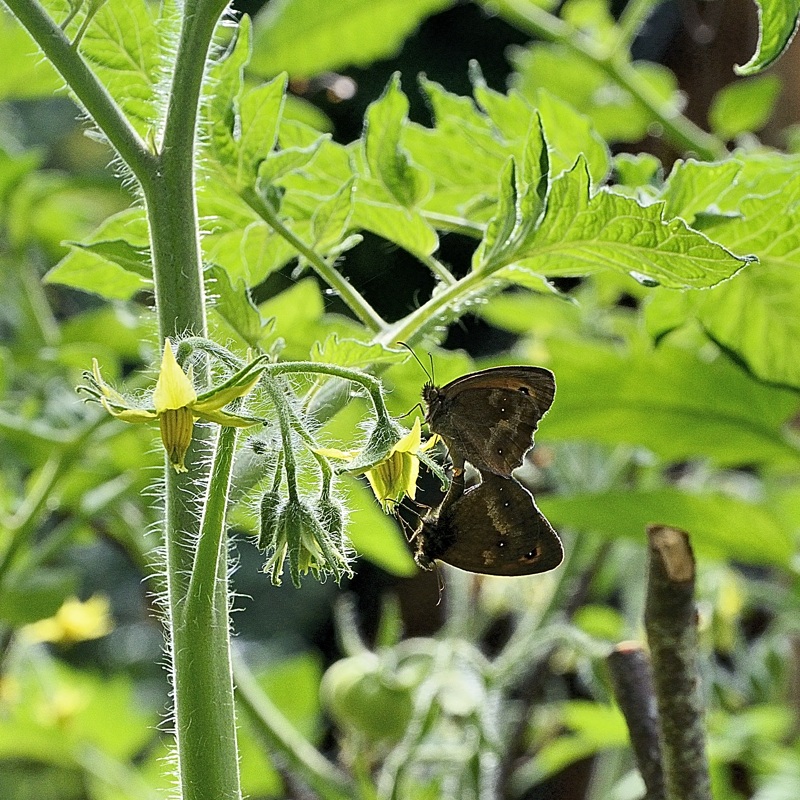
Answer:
x=225 y=418
x=332 y=452
x=111 y=394
x=411 y=442
x=75 y=621
x=173 y=388
x=222 y=396
x=430 y=443
x=128 y=414
x=177 y=425
x=394 y=478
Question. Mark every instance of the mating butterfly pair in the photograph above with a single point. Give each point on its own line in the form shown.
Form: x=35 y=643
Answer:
x=488 y=418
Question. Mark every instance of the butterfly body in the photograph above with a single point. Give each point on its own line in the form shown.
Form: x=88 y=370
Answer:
x=489 y=417
x=494 y=528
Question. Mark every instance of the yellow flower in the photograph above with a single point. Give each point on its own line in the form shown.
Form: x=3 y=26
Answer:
x=75 y=621
x=394 y=476
x=176 y=404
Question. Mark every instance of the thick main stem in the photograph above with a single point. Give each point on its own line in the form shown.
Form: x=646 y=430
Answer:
x=205 y=726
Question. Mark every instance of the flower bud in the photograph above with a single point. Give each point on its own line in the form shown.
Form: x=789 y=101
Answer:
x=331 y=514
x=309 y=542
x=269 y=513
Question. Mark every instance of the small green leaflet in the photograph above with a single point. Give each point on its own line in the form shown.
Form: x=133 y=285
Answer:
x=777 y=25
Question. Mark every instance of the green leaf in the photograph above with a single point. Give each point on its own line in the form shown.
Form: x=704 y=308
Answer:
x=600 y=622
x=525 y=312
x=330 y=168
x=14 y=167
x=243 y=124
x=642 y=169
x=595 y=727
x=582 y=84
x=694 y=187
x=570 y=134
x=26 y=73
x=260 y=114
x=283 y=162
x=237 y=238
x=352 y=353
x=123 y=45
x=331 y=220
x=375 y=535
x=122 y=253
x=755 y=314
x=375 y=211
x=38 y=596
x=385 y=158
x=581 y=234
x=49 y=207
x=301 y=321
x=670 y=401
x=233 y=304
x=111 y=262
x=500 y=229
x=777 y=25
x=225 y=77
x=534 y=173
x=522 y=192
x=26 y=733
x=720 y=526
x=308 y=37
x=744 y=106
x=462 y=153
x=567 y=132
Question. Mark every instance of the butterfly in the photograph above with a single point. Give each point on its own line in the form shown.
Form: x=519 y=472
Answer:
x=489 y=417
x=493 y=528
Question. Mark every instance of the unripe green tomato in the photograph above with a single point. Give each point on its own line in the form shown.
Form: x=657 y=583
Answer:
x=366 y=699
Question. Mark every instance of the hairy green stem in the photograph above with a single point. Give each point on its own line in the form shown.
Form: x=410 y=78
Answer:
x=416 y=324
x=92 y=95
x=281 y=405
x=450 y=224
x=281 y=737
x=632 y=19
x=198 y=627
x=211 y=545
x=370 y=384
x=438 y=269
x=680 y=131
x=203 y=678
x=349 y=294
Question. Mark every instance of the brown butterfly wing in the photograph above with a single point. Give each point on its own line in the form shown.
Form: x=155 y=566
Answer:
x=494 y=529
x=489 y=417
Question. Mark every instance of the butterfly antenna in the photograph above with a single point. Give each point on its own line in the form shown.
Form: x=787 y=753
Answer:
x=428 y=375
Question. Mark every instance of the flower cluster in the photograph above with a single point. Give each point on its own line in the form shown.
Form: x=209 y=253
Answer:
x=307 y=532
x=176 y=404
